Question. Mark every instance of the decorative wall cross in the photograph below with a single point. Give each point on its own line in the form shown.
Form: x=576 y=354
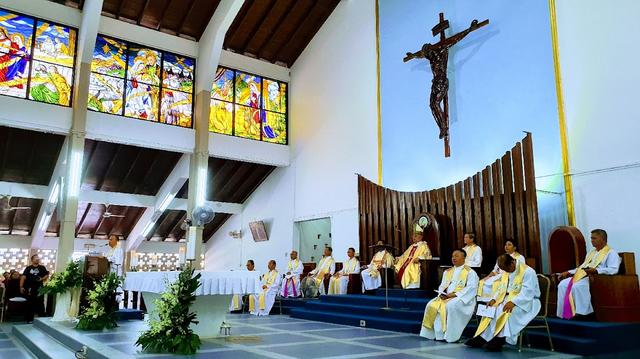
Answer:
x=438 y=55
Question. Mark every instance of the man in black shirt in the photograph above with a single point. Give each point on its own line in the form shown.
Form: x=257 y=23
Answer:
x=31 y=281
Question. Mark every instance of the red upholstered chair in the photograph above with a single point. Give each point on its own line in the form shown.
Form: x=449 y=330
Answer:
x=567 y=249
x=327 y=277
x=307 y=267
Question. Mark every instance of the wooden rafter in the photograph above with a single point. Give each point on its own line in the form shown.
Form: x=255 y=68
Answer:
x=185 y=17
x=141 y=14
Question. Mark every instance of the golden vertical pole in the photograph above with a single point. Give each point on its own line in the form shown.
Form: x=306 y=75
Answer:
x=379 y=99
x=566 y=169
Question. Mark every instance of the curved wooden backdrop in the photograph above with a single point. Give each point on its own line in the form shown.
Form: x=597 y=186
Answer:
x=497 y=203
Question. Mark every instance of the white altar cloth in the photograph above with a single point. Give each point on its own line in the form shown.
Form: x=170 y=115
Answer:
x=212 y=283
x=212 y=297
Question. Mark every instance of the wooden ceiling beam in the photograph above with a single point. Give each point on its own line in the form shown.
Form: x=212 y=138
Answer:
x=256 y=28
x=133 y=165
x=241 y=172
x=177 y=228
x=162 y=14
x=298 y=28
x=29 y=163
x=89 y=159
x=82 y=219
x=141 y=15
x=276 y=13
x=231 y=32
x=112 y=162
x=185 y=17
x=102 y=218
x=156 y=156
x=120 y=6
x=259 y=52
x=15 y=213
x=207 y=18
x=7 y=146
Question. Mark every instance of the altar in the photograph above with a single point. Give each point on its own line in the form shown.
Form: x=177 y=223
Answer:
x=212 y=297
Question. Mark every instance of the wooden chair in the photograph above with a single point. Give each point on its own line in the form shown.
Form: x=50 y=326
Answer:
x=431 y=273
x=616 y=298
x=545 y=285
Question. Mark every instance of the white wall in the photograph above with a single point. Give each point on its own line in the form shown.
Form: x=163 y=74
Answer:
x=333 y=136
x=600 y=74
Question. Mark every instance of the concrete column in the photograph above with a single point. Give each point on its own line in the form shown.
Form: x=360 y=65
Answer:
x=72 y=177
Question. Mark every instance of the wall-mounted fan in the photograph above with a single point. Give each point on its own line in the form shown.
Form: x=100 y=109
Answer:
x=6 y=204
x=108 y=214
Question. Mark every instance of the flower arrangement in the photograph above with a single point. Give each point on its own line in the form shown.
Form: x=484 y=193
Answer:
x=102 y=305
x=70 y=278
x=170 y=332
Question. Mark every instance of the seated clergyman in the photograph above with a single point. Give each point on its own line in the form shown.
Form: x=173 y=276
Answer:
x=446 y=316
x=516 y=299
x=270 y=286
x=314 y=281
x=236 y=300
x=486 y=286
x=574 y=296
x=291 y=285
x=474 y=252
x=339 y=281
x=408 y=264
x=370 y=274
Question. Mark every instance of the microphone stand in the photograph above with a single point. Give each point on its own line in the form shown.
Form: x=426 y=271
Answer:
x=386 y=290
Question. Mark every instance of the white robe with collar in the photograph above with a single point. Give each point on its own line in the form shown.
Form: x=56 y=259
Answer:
x=610 y=265
x=291 y=282
x=527 y=307
x=352 y=266
x=459 y=309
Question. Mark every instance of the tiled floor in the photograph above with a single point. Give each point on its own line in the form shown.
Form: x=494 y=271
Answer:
x=283 y=337
x=9 y=346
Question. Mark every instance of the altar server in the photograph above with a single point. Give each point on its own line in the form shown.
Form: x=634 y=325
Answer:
x=339 y=281
x=517 y=302
x=446 y=316
x=316 y=277
x=408 y=264
x=291 y=285
x=485 y=288
x=474 y=252
x=574 y=296
x=236 y=300
x=371 y=278
x=262 y=304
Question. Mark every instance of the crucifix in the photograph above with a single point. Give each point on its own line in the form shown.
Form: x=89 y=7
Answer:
x=438 y=55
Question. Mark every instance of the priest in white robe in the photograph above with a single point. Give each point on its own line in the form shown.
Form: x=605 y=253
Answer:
x=371 y=278
x=237 y=299
x=291 y=283
x=262 y=303
x=574 y=296
x=446 y=316
x=516 y=302
x=339 y=281
x=114 y=255
x=474 y=252
x=485 y=287
x=315 y=278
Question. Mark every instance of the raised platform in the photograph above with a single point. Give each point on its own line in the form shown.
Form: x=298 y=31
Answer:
x=407 y=309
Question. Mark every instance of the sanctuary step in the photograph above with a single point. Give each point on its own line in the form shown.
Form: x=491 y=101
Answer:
x=129 y=314
x=40 y=344
x=54 y=340
x=407 y=310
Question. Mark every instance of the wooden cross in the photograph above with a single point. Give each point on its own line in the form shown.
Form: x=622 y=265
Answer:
x=438 y=56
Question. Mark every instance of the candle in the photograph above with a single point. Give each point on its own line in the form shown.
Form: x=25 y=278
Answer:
x=182 y=255
x=134 y=259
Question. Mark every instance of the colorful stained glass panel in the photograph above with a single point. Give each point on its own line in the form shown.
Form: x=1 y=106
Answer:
x=221 y=117
x=141 y=101
x=144 y=65
x=248 y=89
x=105 y=94
x=109 y=57
x=13 y=77
x=177 y=73
x=274 y=127
x=15 y=33
x=176 y=108
x=51 y=83
x=275 y=97
x=55 y=43
x=223 y=85
x=247 y=122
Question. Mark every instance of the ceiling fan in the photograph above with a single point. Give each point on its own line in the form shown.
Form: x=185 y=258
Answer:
x=7 y=205
x=108 y=214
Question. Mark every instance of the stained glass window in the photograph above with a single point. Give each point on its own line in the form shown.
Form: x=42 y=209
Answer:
x=141 y=82
x=36 y=59
x=249 y=106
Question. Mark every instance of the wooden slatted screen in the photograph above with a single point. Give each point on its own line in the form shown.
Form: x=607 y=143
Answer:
x=497 y=203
